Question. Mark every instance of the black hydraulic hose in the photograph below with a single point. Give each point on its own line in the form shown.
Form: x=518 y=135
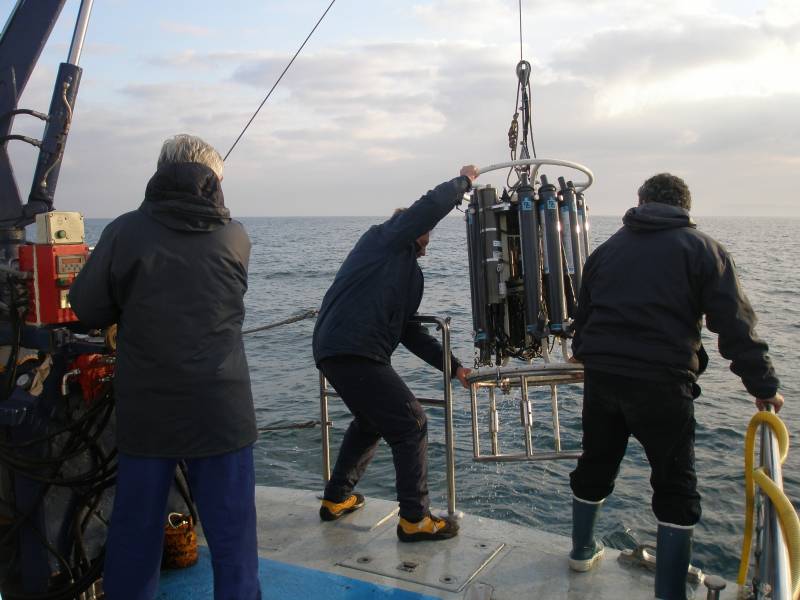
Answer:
x=70 y=592
x=16 y=329
x=100 y=478
x=78 y=426
x=95 y=408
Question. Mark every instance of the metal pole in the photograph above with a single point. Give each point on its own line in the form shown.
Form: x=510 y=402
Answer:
x=325 y=428
x=527 y=414
x=82 y=24
x=494 y=422
x=774 y=553
x=476 y=441
x=448 y=417
x=556 y=427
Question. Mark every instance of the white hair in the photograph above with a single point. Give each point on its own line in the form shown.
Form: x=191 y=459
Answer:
x=189 y=148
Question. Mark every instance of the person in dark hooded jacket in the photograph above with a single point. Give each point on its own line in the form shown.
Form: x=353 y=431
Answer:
x=173 y=275
x=364 y=316
x=637 y=332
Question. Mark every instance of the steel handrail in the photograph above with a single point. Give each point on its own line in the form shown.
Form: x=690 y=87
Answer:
x=443 y=325
x=772 y=563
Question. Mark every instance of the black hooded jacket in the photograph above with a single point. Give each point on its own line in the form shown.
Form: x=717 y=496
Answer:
x=379 y=287
x=173 y=275
x=643 y=296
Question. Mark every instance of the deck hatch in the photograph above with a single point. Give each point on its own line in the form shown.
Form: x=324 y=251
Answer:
x=448 y=566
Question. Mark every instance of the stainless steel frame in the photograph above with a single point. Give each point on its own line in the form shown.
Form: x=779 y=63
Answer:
x=523 y=377
x=442 y=325
x=772 y=578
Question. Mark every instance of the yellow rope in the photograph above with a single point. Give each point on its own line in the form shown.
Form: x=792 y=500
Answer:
x=790 y=524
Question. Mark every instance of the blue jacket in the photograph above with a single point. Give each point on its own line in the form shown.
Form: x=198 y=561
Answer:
x=379 y=287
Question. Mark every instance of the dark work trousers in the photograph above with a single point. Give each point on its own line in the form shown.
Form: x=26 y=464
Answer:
x=382 y=407
x=661 y=416
x=224 y=490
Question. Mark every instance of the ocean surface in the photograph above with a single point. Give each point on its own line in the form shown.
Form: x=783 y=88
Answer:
x=294 y=261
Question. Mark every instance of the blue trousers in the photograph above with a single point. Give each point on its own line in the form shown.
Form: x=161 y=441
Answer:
x=224 y=491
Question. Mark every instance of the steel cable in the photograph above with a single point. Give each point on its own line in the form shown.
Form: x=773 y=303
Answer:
x=272 y=89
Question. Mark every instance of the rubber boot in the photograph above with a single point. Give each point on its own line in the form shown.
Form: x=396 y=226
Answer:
x=586 y=550
x=673 y=552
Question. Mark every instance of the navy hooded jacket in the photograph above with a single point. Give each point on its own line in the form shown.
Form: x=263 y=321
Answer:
x=379 y=287
x=173 y=275
x=643 y=296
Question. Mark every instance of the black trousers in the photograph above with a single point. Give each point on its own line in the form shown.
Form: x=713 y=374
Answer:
x=661 y=416
x=382 y=407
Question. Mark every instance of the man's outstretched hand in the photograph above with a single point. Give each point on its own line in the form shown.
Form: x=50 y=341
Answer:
x=470 y=171
x=776 y=401
x=461 y=374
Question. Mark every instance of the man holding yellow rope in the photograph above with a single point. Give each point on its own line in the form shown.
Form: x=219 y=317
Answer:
x=637 y=331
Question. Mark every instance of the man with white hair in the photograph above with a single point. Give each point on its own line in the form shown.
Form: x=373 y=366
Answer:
x=173 y=275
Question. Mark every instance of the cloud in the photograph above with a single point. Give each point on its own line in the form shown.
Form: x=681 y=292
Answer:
x=645 y=55
x=359 y=127
x=782 y=12
x=202 y=61
x=183 y=28
x=690 y=60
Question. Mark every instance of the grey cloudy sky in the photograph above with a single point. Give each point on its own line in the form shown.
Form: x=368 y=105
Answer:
x=390 y=98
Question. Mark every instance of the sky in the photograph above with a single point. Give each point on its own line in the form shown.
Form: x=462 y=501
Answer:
x=390 y=98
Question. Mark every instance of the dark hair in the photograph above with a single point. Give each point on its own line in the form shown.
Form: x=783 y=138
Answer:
x=667 y=189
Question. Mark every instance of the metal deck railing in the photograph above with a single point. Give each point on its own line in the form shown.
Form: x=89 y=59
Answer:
x=772 y=577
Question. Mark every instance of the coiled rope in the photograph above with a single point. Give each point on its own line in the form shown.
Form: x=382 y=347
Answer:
x=790 y=524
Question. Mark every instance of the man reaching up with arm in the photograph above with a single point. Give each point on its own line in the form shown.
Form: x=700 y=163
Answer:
x=364 y=316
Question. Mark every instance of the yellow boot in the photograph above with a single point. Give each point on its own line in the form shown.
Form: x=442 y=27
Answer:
x=430 y=528
x=330 y=511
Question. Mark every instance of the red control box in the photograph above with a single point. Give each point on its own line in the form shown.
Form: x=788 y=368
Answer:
x=54 y=267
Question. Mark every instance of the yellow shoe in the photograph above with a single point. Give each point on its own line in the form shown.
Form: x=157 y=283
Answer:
x=330 y=511
x=430 y=528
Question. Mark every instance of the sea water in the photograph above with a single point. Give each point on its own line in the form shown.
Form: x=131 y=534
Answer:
x=294 y=261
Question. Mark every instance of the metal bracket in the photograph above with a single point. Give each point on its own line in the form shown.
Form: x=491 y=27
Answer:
x=523 y=377
x=644 y=556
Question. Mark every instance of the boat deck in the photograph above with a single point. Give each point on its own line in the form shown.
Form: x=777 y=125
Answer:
x=359 y=557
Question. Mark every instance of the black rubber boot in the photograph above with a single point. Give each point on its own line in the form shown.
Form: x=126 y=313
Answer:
x=586 y=550
x=673 y=552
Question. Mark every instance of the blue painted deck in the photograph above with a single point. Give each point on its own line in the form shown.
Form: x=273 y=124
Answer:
x=279 y=581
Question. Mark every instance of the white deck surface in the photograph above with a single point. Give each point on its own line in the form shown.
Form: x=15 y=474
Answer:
x=488 y=560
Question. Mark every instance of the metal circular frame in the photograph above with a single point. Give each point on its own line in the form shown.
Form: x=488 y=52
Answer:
x=538 y=162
